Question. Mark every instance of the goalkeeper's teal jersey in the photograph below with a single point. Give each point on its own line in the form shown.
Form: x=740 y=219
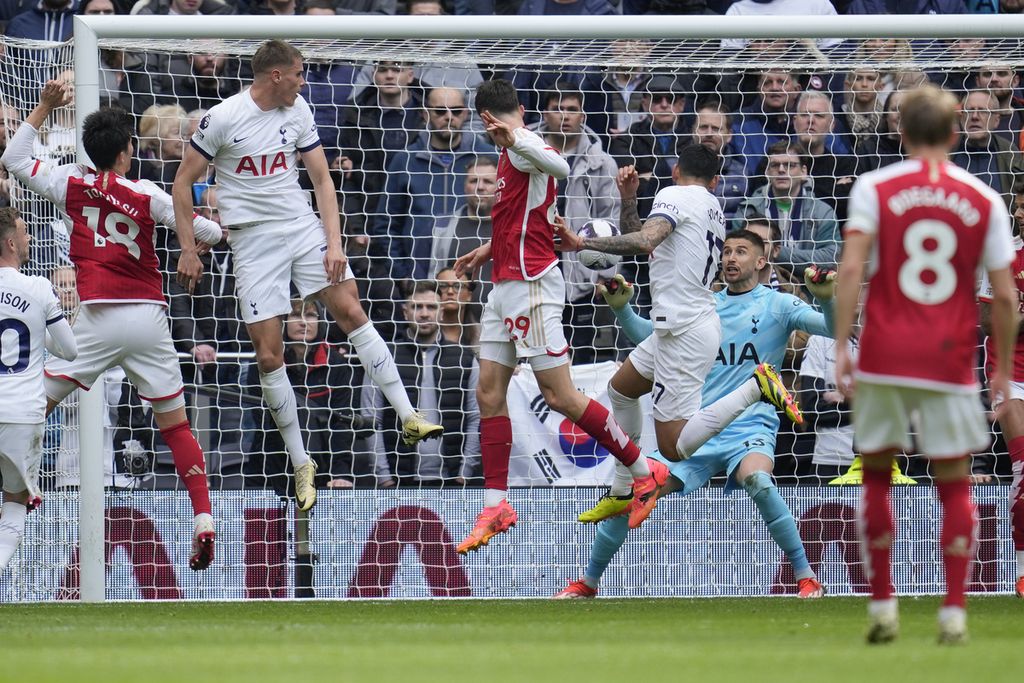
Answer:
x=756 y=327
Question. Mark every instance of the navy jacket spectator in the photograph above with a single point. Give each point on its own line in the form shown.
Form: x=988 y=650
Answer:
x=420 y=188
x=902 y=7
x=580 y=7
x=328 y=88
x=48 y=20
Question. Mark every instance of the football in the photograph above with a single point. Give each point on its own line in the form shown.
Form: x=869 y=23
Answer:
x=596 y=260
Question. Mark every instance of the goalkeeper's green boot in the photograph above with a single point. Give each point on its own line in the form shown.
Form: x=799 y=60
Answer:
x=853 y=477
x=607 y=507
x=899 y=478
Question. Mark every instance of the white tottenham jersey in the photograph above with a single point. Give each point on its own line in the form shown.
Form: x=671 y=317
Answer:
x=684 y=265
x=27 y=306
x=256 y=155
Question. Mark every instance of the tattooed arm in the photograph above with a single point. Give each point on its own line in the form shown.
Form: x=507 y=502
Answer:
x=653 y=233
x=629 y=219
x=628 y=183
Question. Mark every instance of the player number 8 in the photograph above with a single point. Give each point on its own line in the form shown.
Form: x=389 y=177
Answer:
x=942 y=283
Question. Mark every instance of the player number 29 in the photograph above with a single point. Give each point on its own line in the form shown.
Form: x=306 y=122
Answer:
x=120 y=229
x=929 y=245
x=518 y=328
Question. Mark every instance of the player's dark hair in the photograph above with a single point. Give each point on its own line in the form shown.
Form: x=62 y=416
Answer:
x=697 y=161
x=562 y=90
x=8 y=223
x=105 y=134
x=273 y=54
x=749 y=236
x=928 y=116
x=497 y=96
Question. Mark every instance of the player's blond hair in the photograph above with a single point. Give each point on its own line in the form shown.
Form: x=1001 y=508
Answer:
x=928 y=116
x=273 y=54
x=8 y=222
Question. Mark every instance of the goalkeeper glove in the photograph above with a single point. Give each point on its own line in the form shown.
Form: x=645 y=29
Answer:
x=821 y=282
x=616 y=292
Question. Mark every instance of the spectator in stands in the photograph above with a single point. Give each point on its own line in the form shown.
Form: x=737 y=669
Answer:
x=991 y=158
x=810 y=231
x=614 y=97
x=327 y=380
x=10 y=119
x=199 y=81
x=424 y=183
x=366 y=6
x=318 y=8
x=653 y=144
x=712 y=128
x=186 y=7
x=900 y=6
x=888 y=50
x=886 y=146
x=591 y=8
x=49 y=20
x=161 y=143
x=424 y=8
x=588 y=192
x=862 y=106
x=767 y=120
x=460 y=308
x=328 y=89
x=441 y=377
x=384 y=118
x=469 y=227
x=830 y=167
x=780 y=7
x=1003 y=81
x=277 y=8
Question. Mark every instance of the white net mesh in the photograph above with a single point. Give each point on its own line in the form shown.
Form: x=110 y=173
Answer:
x=415 y=182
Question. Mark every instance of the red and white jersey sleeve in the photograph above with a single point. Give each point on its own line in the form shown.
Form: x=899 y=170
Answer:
x=49 y=181
x=522 y=236
x=256 y=155
x=985 y=294
x=934 y=226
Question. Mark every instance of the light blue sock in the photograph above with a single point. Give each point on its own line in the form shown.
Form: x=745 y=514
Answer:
x=611 y=534
x=779 y=520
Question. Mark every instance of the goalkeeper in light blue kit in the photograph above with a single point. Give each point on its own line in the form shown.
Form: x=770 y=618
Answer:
x=756 y=326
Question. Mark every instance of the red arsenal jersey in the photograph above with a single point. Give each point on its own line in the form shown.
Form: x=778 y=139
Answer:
x=522 y=236
x=935 y=226
x=985 y=294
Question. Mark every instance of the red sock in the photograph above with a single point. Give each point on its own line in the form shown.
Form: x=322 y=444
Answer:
x=1017 y=493
x=599 y=423
x=959 y=533
x=189 y=462
x=878 y=530
x=495 y=450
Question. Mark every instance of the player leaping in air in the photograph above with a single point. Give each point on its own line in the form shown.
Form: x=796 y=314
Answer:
x=123 y=320
x=255 y=140
x=924 y=227
x=683 y=235
x=31 y=313
x=522 y=318
x=756 y=325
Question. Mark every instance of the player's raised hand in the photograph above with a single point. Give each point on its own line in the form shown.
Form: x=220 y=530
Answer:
x=569 y=240
x=469 y=263
x=55 y=94
x=628 y=182
x=616 y=292
x=335 y=263
x=190 y=270
x=821 y=282
x=845 y=383
x=502 y=133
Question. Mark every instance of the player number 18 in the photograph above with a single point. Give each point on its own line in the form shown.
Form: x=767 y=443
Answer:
x=120 y=229
x=929 y=245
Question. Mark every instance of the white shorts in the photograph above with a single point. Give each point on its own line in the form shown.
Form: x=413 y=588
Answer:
x=678 y=364
x=948 y=424
x=523 y=319
x=1016 y=394
x=21 y=449
x=270 y=257
x=134 y=336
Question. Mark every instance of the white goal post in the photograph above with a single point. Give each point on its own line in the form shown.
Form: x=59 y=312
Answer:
x=92 y=32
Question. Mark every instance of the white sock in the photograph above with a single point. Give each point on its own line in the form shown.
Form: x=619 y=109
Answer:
x=807 y=573
x=640 y=469
x=12 y=528
x=622 y=481
x=494 y=497
x=712 y=419
x=380 y=368
x=280 y=398
x=883 y=608
x=627 y=413
x=1020 y=563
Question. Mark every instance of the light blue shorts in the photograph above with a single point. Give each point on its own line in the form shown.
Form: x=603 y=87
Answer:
x=723 y=453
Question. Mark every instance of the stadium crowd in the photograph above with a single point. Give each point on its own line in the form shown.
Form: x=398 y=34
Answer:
x=416 y=180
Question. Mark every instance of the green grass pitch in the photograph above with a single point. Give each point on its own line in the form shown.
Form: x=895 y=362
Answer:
x=743 y=640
